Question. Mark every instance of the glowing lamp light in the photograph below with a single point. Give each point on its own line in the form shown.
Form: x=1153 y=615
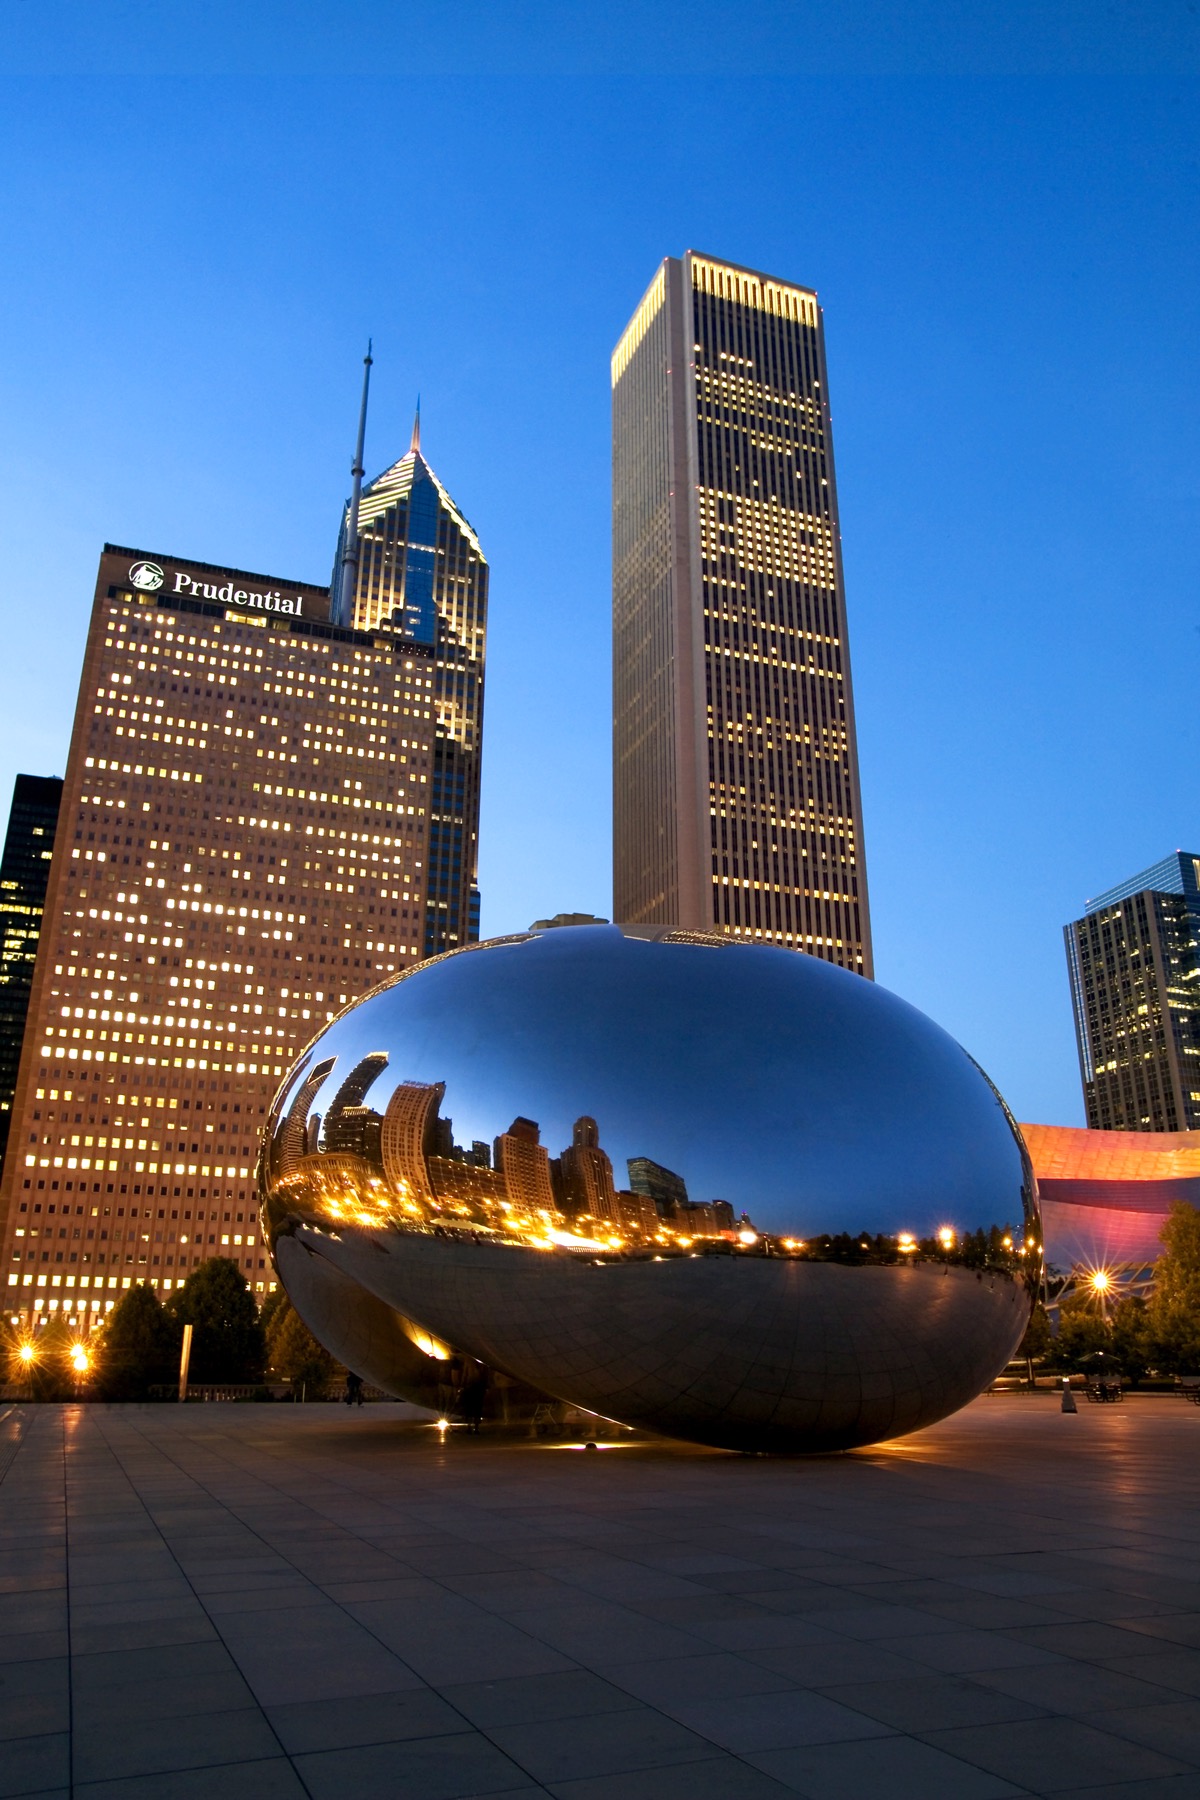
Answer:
x=747 y=1237
x=80 y=1361
x=946 y=1237
x=27 y=1354
x=907 y=1241
x=1101 y=1281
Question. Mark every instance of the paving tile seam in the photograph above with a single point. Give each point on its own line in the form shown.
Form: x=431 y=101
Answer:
x=133 y=1495
x=703 y=1644
x=13 y=1427
x=469 y=1726
x=1143 y=1550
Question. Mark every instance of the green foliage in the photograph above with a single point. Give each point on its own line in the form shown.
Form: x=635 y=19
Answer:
x=140 y=1347
x=1174 y=1309
x=227 y=1341
x=1132 y=1346
x=1083 y=1332
x=294 y=1354
x=269 y=1308
x=1036 y=1343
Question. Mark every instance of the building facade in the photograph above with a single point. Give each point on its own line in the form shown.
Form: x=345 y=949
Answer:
x=420 y=569
x=24 y=873
x=241 y=850
x=1134 y=966
x=736 y=792
x=1106 y=1195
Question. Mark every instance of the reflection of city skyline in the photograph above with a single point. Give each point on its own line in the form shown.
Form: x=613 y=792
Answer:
x=408 y=1154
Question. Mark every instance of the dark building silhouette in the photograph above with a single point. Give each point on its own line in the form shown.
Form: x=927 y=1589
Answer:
x=667 y=1190
x=350 y=1127
x=24 y=873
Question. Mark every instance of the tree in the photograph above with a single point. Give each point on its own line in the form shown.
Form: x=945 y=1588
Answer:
x=140 y=1346
x=270 y=1307
x=227 y=1341
x=1174 y=1309
x=294 y=1353
x=1083 y=1332
x=1036 y=1344
x=1131 y=1341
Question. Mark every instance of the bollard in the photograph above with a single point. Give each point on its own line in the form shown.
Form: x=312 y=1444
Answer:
x=1068 y=1399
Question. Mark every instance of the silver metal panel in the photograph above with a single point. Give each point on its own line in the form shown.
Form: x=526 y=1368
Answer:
x=726 y=1192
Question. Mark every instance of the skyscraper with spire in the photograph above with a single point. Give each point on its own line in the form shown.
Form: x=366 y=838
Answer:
x=408 y=560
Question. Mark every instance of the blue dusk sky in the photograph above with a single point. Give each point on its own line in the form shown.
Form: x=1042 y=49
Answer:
x=205 y=211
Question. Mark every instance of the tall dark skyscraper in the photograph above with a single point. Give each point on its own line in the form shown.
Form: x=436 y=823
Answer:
x=736 y=794
x=24 y=873
x=419 y=569
x=1134 y=964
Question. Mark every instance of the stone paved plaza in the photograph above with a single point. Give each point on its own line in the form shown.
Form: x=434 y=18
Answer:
x=255 y=1602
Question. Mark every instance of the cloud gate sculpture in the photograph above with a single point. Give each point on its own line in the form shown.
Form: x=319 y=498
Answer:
x=724 y=1192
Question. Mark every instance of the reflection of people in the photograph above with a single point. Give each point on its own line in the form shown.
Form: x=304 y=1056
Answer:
x=471 y=1397
x=354 y=1388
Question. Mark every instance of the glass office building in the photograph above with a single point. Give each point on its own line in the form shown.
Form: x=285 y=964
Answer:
x=1134 y=966
x=736 y=792
x=420 y=570
x=24 y=872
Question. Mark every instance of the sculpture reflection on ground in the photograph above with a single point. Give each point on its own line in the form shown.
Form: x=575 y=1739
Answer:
x=767 y=1294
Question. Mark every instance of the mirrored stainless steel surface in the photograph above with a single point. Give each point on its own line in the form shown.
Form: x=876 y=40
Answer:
x=726 y=1192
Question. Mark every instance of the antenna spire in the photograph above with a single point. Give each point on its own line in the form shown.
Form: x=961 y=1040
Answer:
x=348 y=579
x=415 y=446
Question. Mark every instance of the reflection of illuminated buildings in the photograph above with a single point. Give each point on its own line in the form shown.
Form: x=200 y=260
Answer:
x=524 y=1163
x=1104 y=1194
x=707 y=1218
x=1134 y=963
x=638 y=1213
x=667 y=1190
x=586 y=1175
x=351 y=1127
x=406 y=1136
x=407 y=1154
x=293 y=1139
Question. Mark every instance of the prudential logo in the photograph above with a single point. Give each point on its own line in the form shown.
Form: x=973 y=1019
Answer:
x=147 y=576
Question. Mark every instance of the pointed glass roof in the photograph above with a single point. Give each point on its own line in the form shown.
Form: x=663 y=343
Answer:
x=397 y=483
